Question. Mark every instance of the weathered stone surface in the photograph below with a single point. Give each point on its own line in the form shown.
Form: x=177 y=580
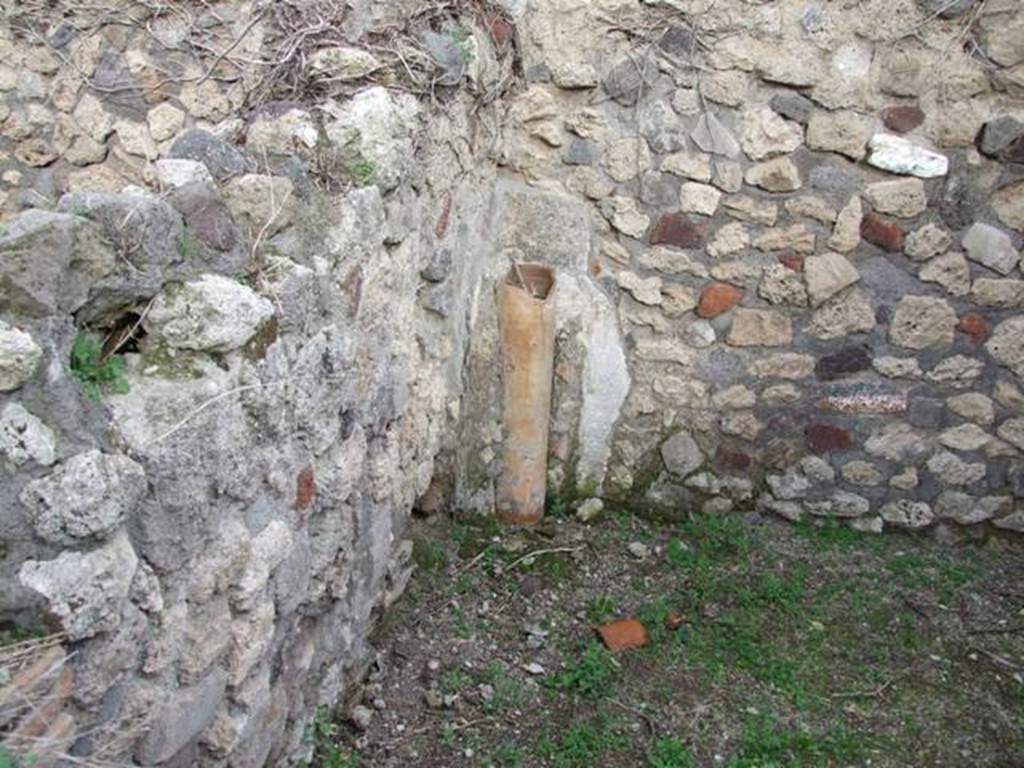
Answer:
x=19 y=357
x=899 y=155
x=681 y=454
x=764 y=134
x=760 y=328
x=951 y=271
x=263 y=205
x=48 y=264
x=223 y=160
x=973 y=406
x=846 y=133
x=782 y=285
x=787 y=365
x=777 y=175
x=848 y=312
x=796 y=237
x=626 y=159
x=213 y=314
x=846 y=233
x=173 y=173
x=957 y=370
x=1012 y=431
x=792 y=106
x=903 y=198
x=862 y=473
x=897 y=442
x=991 y=247
x=375 y=129
x=86 y=498
x=908 y=514
x=1007 y=344
x=165 y=120
x=999 y=294
x=689 y=165
x=1008 y=202
x=341 y=63
x=85 y=591
x=827 y=275
x=624 y=214
x=922 y=321
x=718 y=298
x=287 y=133
x=1003 y=139
x=712 y=136
x=24 y=437
x=181 y=717
x=950 y=469
x=927 y=242
x=965 y=437
x=645 y=290
x=752 y=210
x=699 y=198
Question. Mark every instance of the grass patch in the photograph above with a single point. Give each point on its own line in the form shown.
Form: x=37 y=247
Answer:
x=591 y=673
x=581 y=745
x=765 y=744
x=670 y=753
x=98 y=375
x=328 y=751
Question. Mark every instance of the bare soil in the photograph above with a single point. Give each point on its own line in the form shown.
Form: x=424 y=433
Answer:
x=768 y=645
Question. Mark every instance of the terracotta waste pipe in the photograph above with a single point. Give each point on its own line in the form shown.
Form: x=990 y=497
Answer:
x=526 y=314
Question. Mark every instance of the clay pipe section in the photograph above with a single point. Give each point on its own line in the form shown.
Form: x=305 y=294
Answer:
x=526 y=314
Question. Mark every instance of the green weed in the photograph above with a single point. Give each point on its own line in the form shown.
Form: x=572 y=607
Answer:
x=766 y=745
x=328 y=753
x=600 y=609
x=580 y=746
x=670 y=753
x=97 y=376
x=508 y=756
x=361 y=172
x=508 y=692
x=590 y=674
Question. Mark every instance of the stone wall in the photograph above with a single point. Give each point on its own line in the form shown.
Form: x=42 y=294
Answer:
x=787 y=241
x=807 y=219
x=230 y=334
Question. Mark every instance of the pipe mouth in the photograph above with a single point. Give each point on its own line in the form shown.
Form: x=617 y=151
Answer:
x=536 y=279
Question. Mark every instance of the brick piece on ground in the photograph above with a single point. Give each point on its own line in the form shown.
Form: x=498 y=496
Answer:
x=623 y=635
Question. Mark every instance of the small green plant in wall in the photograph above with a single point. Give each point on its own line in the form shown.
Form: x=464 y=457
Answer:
x=361 y=172
x=98 y=374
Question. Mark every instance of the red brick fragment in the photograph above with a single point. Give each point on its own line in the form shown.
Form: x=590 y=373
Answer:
x=732 y=459
x=717 y=298
x=501 y=29
x=822 y=438
x=974 y=326
x=793 y=261
x=445 y=218
x=305 y=489
x=623 y=635
x=679 y=231
x=902 y=119
x=884 y=233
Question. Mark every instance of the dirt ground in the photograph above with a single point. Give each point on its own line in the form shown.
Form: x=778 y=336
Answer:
x=769 y=645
